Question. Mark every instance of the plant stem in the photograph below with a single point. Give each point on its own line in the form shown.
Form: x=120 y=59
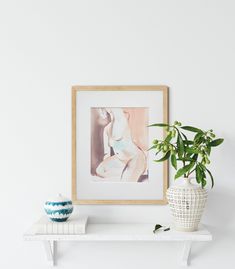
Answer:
x=185 y=176
x=189 y=173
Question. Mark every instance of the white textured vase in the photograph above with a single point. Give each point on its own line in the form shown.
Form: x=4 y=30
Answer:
x=187 y=202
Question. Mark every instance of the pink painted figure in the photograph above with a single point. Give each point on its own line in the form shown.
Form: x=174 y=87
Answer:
x=123 y=159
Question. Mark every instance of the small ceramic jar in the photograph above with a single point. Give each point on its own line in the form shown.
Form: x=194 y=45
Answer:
x=58 y=209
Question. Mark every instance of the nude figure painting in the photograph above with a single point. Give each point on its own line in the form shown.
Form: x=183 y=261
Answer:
x=119 y=144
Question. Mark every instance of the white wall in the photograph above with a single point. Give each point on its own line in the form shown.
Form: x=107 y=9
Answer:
x=47 y=46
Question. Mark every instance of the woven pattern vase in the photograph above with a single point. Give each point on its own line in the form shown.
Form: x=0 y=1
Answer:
x=187 y=202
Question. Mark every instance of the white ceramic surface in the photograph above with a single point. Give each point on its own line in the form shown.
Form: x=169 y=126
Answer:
x=187 y=202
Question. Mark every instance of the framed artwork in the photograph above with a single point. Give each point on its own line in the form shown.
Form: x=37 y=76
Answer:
x=111 y=163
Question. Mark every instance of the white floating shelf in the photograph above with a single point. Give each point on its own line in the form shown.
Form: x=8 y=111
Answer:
x=122 y=232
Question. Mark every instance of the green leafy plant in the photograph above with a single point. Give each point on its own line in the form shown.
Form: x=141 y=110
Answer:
x=193 y=154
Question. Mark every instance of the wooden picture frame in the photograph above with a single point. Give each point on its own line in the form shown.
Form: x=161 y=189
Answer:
x=110 y=92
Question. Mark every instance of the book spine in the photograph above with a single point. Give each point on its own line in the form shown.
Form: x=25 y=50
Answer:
x=66 y=228
x=69 y=227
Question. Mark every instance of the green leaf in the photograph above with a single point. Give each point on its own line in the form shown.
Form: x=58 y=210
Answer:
x=197 y=136
x=159 y=125
x=198 y=174
x=192 y=129
x=185 y=159
x=212 y=179
x=188 y=155
x=208 y=150
x=180 y=145
x=165 y=157
x=173 y=161
x=184 y=170
x=203 y=182
x=195 y=156
x=191 y=150
x=168 y=138
x=167 y=229
x=203 y=168
x=216 y=142
x=157 y=227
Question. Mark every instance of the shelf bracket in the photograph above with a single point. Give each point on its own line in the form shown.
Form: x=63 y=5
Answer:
x=186 y=253
x=50 y=248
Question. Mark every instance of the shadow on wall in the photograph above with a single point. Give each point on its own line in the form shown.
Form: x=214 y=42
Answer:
x=219 y=210
x=220 y=214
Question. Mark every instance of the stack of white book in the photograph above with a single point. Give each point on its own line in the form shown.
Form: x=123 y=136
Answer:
x=74 y=225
